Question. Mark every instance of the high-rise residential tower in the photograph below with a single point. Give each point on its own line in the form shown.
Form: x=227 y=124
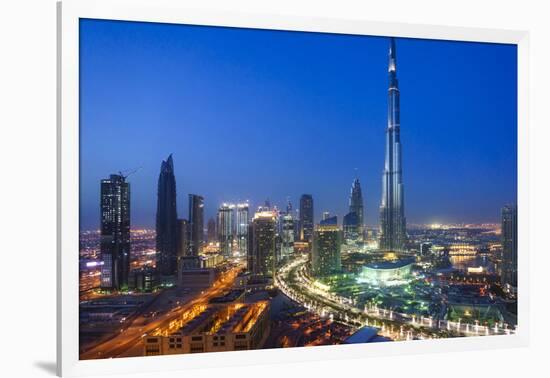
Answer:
x=356 y=205
x=261 y=248
x=306 y=217
x=393 y=236
x=115 y=232
x=196 y=224
x=211 y=231
x=327 y=243
x=226 y=229
x=167 y=219
x=287 y=236
x=509 y=271
x=241 y=226
x=182 y=238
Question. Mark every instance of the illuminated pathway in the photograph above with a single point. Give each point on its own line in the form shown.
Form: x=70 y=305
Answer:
x=293 y=281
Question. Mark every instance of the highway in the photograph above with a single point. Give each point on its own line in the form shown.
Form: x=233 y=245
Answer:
x=131 y=337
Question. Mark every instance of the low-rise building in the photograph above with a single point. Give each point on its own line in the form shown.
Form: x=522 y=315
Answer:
x=234 y=326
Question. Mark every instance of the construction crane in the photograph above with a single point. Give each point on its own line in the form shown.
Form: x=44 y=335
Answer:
x=125 y=174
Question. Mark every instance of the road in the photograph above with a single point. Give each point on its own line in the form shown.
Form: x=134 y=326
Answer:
x=130 y=338
x=296 y=284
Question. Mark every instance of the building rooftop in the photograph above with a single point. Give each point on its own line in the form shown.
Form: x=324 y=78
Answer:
x=391 y=264
x=365 y=335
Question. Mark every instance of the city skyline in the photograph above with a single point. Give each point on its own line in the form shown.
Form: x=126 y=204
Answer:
x=267 y=278
x=482 y=169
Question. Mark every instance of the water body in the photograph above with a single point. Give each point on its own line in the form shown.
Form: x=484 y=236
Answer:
x=464 y=262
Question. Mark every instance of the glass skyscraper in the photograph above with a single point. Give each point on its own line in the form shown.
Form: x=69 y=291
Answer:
x=356 y=205
x=306 y=217
x=509 y=271
x=261 y=249
x=167 y=218
x=287 y=236
x=327 y=243
x=196 y=224
x=393 y=236
x=242 y=228
x=115 y=232
x=225 y=229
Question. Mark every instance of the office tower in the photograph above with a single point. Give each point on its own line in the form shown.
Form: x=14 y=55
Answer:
x=115 y=232
x=196 y=224
x=326 y=215
x=211 y=231
x=325 y=255
x=306 y=217
x=242 y=228
x=226 y=229
x=351 y=228
x=166 y=225
x=356 y=206
x=329 y=221
x=261 y=248
x=287 y=236
x=509 y=271
x=288 y=207
x=183 y=231
x=393 y=235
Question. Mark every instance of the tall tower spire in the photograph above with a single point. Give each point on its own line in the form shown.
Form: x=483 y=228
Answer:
x=393 y=235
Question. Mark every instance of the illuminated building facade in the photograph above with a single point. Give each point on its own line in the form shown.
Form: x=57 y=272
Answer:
x=166 y=221
x=387 y=273
x=242 y=228
x=287 y=236
x=196 y=224
x=306 y=217
x=230 y=327
x=226 y=229
x=327 y=243
x=393 y=235
x=115 y=232
x=509 y=271
x=261 y=248
x=143 y=280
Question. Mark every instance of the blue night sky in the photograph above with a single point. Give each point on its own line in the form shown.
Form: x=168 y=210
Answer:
x=255 y=114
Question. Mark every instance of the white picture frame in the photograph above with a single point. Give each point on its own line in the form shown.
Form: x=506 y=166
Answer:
x=171 y=11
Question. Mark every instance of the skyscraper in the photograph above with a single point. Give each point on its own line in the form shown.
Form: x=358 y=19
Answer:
x=351 y=228
x=183 y=231
x=509 y=271
x=393 y=236
x=261 y=249
x=196 y=224
x=327 y=243
x=115 y=232
x=242 y=228
x=211 y=231
x=225 y=229
x=287 y=236
x=356 y=205
x=167 y=218
x=306 y=217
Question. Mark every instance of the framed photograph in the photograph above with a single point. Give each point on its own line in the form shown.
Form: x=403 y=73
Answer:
x=249 y=188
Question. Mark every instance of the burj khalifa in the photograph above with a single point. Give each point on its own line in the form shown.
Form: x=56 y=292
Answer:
x=393 y=236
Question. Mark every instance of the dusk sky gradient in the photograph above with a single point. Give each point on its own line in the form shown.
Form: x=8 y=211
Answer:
x=255 y=114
